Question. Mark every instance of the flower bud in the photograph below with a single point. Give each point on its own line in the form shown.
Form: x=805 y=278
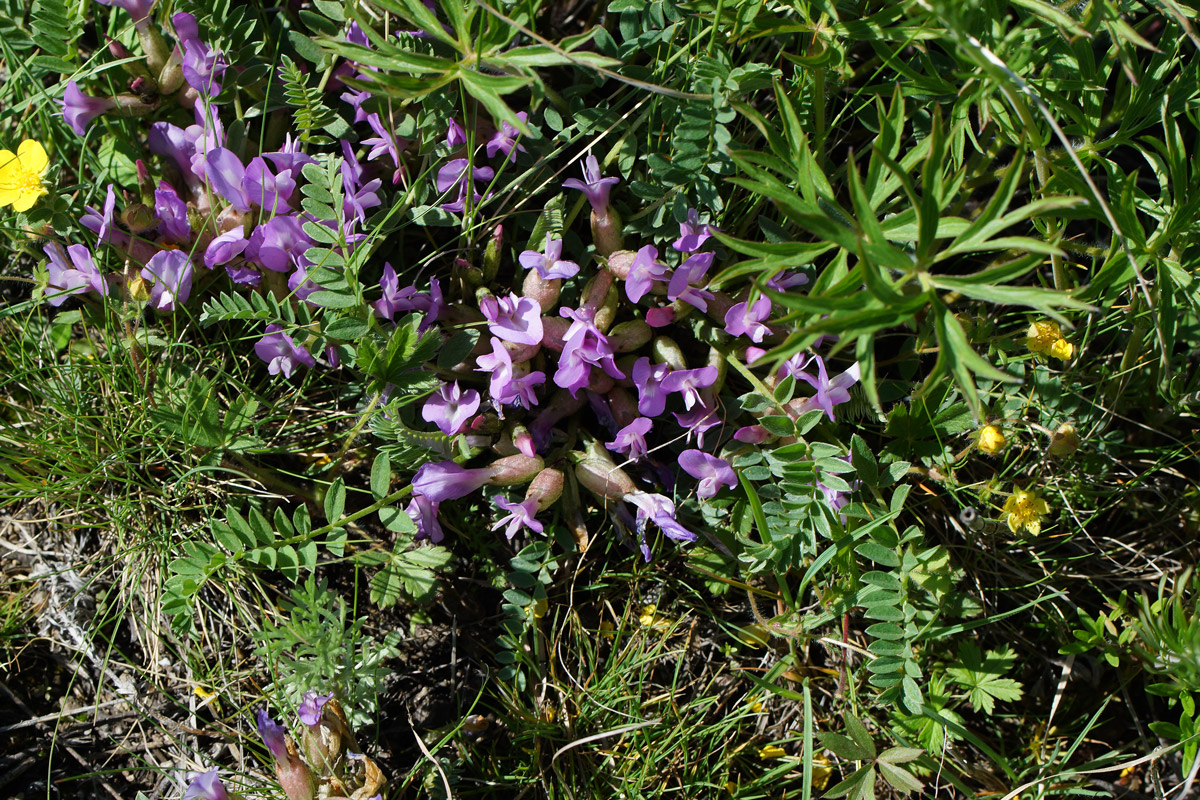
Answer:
x=629 y=336
x=990 y=440
x=138 y=218
x=135 y=105
x=600 y=382
x=606 y=231
x=717 y=359
x=544 y=292
x=554 y=332
x=492 y=253
x=1064 y=441
x=620 y=262
x=547 y=487
x=595 y=293
x=519 y=352
x=666 y=351
x=167 y=66
x=604 y=478
x=623 y=406
x=513 y=470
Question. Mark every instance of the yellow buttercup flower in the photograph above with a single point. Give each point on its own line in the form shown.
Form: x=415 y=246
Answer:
x=1025 y=509
x=990 y=440
x=771 y=751
x=1045 y=338
x=21 y=175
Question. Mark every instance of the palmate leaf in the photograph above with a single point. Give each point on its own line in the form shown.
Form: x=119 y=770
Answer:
x=981 y=676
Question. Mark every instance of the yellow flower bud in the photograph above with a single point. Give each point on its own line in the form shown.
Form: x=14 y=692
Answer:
x=990 y=440
x=1064 y=441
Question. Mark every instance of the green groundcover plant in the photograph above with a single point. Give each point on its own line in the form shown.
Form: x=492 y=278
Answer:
x=882 y=312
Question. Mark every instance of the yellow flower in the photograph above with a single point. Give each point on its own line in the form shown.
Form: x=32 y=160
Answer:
x=772 y=751
x=21 y=175
x=1025 y=509
x=990 y=440
x=1046 y=339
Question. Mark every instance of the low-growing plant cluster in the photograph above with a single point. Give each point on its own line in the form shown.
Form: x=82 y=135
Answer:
x=748 y=399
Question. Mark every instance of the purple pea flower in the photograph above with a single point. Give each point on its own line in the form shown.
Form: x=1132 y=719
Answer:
x=243 y=274
x=172 y=214
x=746 y=319
x=280 y=353
x=786 y=280
x=550 y=265
x=300 y=285
x=138 y=9
x=278 y=245
x=450 y=408
x=513 y=319
x=455 y=135
x=593 y=186
x=455 y=173
x=171 y=271
x=80 y=276
x=687 y=277
x=648 y=378
x=661 y=511
x=631 y=440
x=520 y=515
x=692 y=235
x=712 y=472
x=446 y=480
x=505 y=141
x=794 y=366
x=394 y=298
x=699 y=420
x=752 y=434
x=202 y=67
x=643 y=272
x=689 y=382
x=311 y=706
x=101 y=221
x=226 y=248
x=584 y=347
x=225 y=173
x=505 y=386
x=79 y=109
x=273 y=736
x=206 y=786
x=423 y=512
x=267 y=190
x=289 y=158
x=830 y=393
x=358 y=196
x=384 y=142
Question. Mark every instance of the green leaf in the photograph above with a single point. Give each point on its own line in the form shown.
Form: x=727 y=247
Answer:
x=335 y=500
x=900 y=779
x=981 y=676
x=289 y=562
x=397 y=519
x=845 y=747
x=381 y=475
x=859 y=786
x=878 y=553
x=347 y=328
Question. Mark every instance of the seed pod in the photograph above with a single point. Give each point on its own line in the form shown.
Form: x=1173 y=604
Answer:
x=513 y=470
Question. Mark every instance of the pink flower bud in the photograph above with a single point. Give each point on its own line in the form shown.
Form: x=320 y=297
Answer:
x=513 y=470
x=547 y=487
x=606 y=231
x=620 y=262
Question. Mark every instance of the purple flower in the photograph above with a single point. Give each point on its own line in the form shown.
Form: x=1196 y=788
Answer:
x=424 y=511
x=138 y=9
x=692 y=235
x=786 y=280
x=687 y=277
x=289 y=158
x=311 y=706
x=394 y=298
x=631 y=440
x=689 y=382
x=172 y=213
x=830 y=393
x=712 y=472
x=505 y=386
x=267 y=190
x=446 y=480
x=172 y=142
x=752 y=434
x=225 y=248
x=520 y=515
x=699 y=420
x=455 y=174
x=80 y=276
x=455 y=135
x=225 y=173
x=584 y=347
x=450 y=408
x=643 y=272
x=358 y=196
x=243 y=274
x=279 y=244
x=300 y=285
x=513 y=319
x=594 y=187
x=383 y=143
x=202 y=67
x=746 y=319
x=505 y=141
x=661 y=511
x=80 y=109
x=794 y=366
x=273 y=736
x=100 y=221
x=171 y=271
x=206 y=786
x=280 y=353
x=647 y=377
x=549 y=266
